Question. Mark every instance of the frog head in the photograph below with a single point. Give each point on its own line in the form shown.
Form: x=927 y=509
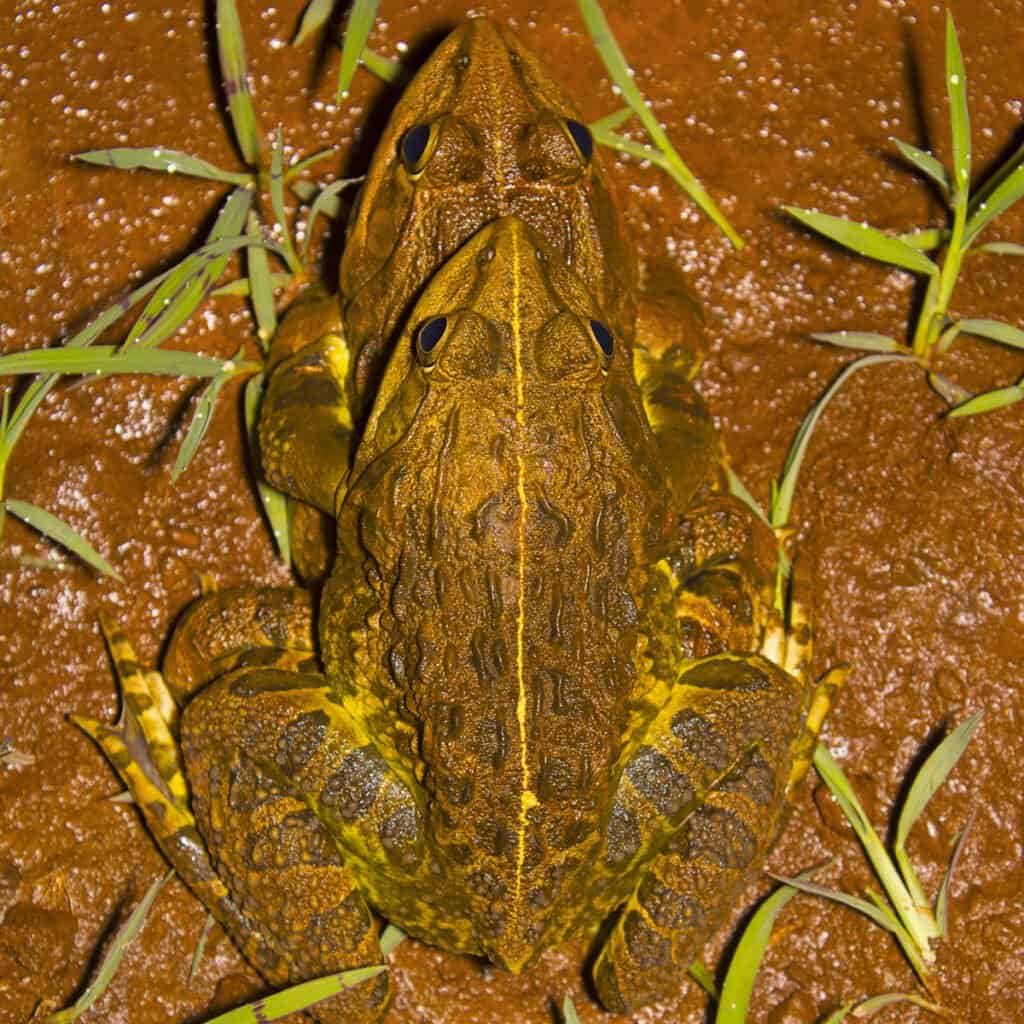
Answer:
x=482 y=132
x=501 y=513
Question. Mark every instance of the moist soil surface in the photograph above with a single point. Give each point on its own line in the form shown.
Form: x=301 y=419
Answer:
x=908 y=527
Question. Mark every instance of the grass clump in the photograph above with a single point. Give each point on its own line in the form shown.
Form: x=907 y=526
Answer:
x=935 y=328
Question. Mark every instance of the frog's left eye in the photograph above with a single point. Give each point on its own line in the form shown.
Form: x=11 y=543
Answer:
x=603 y=337
x=581 y=138
x=417 y=147
x=428 y=337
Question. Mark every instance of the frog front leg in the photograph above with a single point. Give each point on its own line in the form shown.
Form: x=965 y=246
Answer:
x=698 y=804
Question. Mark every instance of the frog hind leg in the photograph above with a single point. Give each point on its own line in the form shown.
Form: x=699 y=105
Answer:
x=307 y=421
x=704 y=788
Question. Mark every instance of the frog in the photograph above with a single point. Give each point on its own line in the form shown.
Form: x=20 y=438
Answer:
x=538 y=699
x=539 y=690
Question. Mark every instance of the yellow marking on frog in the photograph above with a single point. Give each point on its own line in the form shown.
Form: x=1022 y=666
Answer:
x=528 y=798
x=337 y=357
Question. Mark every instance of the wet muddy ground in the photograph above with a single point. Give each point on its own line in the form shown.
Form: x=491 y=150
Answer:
x=910 y=528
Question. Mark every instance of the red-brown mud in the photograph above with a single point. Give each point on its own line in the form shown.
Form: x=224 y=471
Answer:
x=910 y=528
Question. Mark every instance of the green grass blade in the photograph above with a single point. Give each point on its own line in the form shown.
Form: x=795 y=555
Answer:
x=869 y=1007
x=926 y=239
x=865 y=240
x=261 y=287
x=619 y=72
x=782 y=502
x=198 y=427
x=169 y=161
x=994 y=331
x=746 y=959
x=942 y=899
x=328 y=203
x=613 y=121
x=387 y=70
x=106 y=359
x=277 y=200
x=234 y=70
x=1002 y=248
x=357 y=32
x=959 y=119
x=702 y=976
x=197 y=956
x=112 y=961
x=275 y=504
x=1002 y=197
x=298 y=997
x=738 y=490
x=304 y=165
x=240 y=286
x=391 y=938
x=925 y=163
x=837 y=1016
x=861 y=340
x=314 y=17
x=60 y=533
x=569 y=1014
x=989 y=401
x=882 y=918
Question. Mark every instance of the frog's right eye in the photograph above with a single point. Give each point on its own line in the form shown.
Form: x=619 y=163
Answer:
x=417 y=147
x=581 y=138
x=428 y=337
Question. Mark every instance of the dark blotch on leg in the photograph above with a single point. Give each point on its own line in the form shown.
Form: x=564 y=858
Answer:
x=350 y=791
x=754 y=777
x=646 y=946
x=700 y=739
x=719 y=836
x=667 y=908
x=300 y=740
x=623 y=834
x=654 y=777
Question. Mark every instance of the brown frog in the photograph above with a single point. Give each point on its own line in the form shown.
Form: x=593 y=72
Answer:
x=530 y=703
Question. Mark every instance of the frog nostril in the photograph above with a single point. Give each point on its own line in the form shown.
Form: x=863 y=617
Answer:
x=581 y=138
x=417 y=146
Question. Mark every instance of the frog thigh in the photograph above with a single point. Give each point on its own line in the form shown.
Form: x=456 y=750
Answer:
x=704 y=789
x=308 y=411
x=239 y=626
x=272 y=761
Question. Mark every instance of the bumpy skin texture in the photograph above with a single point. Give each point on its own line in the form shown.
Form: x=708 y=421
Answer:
x=533 y=700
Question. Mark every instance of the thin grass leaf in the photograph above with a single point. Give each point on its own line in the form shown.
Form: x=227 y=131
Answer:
x=197 y=956
x=569 y=1014
x=234 y=69
x=314 y=17
x=240 y=286
x=989 y=401
x=933 y=773
x=942 y=899
x=746 y=959
x=124 y=797
x=60 y=533
x=304 y=165
x=328 y=203
x=298 y=997
x=275 y=504
x=738 y=490
x=959 y=118
x=702 y=976
x=126 y=934
x=1002 y=248
x=277 y=200
x=861 y=340
x=994 y=330
x=10 y=757
x=106 y=359
x=869 y=1007
x=926 y=239
x=949 y=391
x=837 y=1016
x=925 y=163
x=1002 y=197
x=357 y=31
x=619 y=72
x=184 y=288
x=392 y=72
x=391 y=938
x=169 y=161
x=261 y=288
x=865 y=240
x=199 y=425
x=883 y=918
x=783 y=501
x=613 y=121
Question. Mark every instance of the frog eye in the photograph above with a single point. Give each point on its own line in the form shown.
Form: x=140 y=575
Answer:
x=427 y=338
x=603 y=337
x=581 y=138
x=417 y=147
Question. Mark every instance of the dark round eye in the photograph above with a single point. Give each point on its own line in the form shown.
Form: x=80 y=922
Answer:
x=417 y=146
x=603 y=337
x=429 y=335
x=581 y=136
